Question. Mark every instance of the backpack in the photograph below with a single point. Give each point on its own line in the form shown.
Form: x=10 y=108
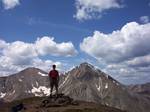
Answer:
x=53 y=74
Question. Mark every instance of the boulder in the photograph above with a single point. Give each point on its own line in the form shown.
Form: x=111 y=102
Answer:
x=58 y=101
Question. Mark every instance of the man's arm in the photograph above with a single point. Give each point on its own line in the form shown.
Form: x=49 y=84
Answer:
x=49 y=74
x=58 y=76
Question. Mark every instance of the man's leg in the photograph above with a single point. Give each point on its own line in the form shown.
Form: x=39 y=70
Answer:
x=56 y=90
x=56 y=87
x=51 y=87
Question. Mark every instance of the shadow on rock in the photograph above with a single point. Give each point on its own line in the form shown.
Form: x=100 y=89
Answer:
x=58 y=101
x=18 y=108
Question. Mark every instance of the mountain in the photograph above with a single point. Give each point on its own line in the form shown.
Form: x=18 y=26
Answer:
x=141 y=89
x=84 y=83
x=87 y=83
x=27 y=83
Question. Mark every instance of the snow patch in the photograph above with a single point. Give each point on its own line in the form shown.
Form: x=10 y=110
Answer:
x=10 y=93
x=20 y=80
x=114 y=82
x=40 y=91
x=106 y=86
x=13 y=91
x=106 y=104
x=42 y=74
x=98 y=86
x=28 y=91
x=37 y=84
x=117 y=84
x=2 y=95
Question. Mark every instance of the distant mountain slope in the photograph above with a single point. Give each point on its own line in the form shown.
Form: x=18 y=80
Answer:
x=142 y=89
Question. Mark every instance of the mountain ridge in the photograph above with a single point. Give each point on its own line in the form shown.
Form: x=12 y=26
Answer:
x=84 y=82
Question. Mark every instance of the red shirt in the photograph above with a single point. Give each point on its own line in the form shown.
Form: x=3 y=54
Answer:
x=53 y=74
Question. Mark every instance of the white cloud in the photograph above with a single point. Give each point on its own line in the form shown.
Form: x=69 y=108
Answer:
x=46 y=64
x=10 y=4
x=18 y=55
x=7 y=67
x=121 y=45
x=125 y=52
x=127 y=74
x=144 y=19
x=143 y=61
x=46 y=45
x=88 y=9
x=3 y=44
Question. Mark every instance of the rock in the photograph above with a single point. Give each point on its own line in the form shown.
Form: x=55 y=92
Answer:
x=57 y=101
x=18 y=108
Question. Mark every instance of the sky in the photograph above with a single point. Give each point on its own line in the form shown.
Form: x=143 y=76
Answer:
x=112 y=35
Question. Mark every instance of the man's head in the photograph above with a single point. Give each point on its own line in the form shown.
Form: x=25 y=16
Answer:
x=54 y=67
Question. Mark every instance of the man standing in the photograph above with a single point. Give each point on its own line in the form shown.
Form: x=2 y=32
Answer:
x=54 y=79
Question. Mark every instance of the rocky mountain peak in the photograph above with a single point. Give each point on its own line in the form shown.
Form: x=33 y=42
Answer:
x=84 y=71
x=31 y=71
x=85 y=64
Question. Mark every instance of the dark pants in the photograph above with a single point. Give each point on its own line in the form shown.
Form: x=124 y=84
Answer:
x=53 y=83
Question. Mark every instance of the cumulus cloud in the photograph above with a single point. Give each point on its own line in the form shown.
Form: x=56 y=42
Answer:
x=120 y=70
x=88 y=9
x=121 y=45
x=18 y=55
x=7 y=67
x=47 y=45
x=46 y=64
x=125 y=52
x=144 y=19
x=143 y=61
x=128 y=74
x=3 y=44
x=10 y=4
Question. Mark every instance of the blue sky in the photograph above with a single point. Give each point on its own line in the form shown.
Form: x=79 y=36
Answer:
x=77 y=31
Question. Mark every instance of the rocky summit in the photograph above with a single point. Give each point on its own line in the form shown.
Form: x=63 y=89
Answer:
x=59 y=103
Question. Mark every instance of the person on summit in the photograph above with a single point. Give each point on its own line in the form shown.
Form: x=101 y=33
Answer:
x=54 y=79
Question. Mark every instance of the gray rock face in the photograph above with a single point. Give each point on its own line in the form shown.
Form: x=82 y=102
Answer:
x=58 y=101
x=141 y=89
x=2 y=86
x=90 y=84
